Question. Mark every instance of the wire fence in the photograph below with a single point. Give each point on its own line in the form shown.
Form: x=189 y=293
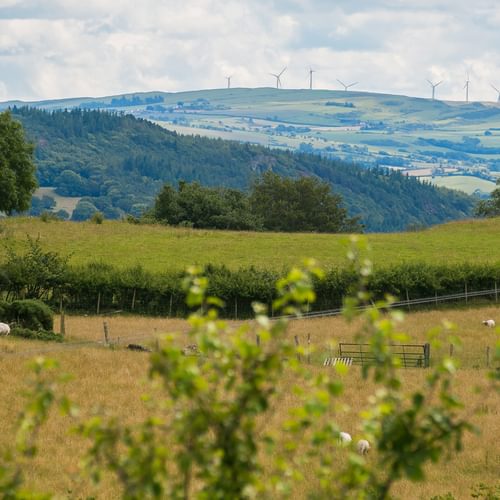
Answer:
x=150 y=336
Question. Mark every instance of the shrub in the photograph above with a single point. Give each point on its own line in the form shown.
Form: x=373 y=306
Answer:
x=97 y=218
x=31 y=314
x=46 y=335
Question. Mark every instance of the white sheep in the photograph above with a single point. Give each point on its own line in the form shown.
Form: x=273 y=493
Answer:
x=490 y=323
x=4 y=329
x=345 y=438
x=363 y=446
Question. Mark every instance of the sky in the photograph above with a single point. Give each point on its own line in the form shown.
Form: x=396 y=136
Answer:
x=53 y=49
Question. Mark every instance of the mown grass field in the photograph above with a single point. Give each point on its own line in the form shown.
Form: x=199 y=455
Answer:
x=115 y=380
x=157 y=247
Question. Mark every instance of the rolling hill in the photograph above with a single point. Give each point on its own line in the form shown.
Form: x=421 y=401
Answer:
x=118 y=163
x=428 y=138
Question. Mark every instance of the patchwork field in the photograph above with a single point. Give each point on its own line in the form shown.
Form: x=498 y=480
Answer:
x=157 y=247
x=116 y=378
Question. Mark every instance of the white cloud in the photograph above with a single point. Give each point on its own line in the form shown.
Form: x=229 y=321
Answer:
x=62 y=48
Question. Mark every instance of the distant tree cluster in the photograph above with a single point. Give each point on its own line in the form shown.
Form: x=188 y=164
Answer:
x=490 y=207
x=274 y=203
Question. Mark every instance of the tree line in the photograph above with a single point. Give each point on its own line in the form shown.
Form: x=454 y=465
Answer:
x=119 y=164
x=273 y=203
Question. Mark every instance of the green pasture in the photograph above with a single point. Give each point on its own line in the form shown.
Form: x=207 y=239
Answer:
x=157 y=247
x=464 y=183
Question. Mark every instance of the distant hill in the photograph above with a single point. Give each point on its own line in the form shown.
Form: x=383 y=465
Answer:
x=118 y=163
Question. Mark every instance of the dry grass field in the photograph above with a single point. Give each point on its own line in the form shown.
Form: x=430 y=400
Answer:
x=115 y=379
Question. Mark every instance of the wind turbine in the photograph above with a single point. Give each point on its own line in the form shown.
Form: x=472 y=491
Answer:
x=278 y=80
x=311 y=71
x=346 y=86
x=434 y=85
x=466 y=87
x=498 y=98
x=228 y=78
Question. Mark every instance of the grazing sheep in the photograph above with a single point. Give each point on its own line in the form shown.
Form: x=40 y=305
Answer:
x=345 y=438
x=4 y=329
x=363 y=446
x=490 y=323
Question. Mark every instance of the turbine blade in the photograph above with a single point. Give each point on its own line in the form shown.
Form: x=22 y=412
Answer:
x=439 y=83
x=341 y=82
x=430 y=83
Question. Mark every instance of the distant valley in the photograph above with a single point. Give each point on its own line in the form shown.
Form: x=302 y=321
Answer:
x=451 y=144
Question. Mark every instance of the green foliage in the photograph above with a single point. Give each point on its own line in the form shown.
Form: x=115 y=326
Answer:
x=44 y=335
x=202 y=207
x=121 y=163
x=35 y=273
x=17 y=170
x=304 y=204
x=490 y=207
x=31 y=314
x=487 y=492
x=97 y=218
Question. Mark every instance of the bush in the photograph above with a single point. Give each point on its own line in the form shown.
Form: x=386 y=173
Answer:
x=46 y=335
x=97 y=218
x=31 y=314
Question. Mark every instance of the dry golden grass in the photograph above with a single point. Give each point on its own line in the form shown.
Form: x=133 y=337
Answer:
x=116 y=379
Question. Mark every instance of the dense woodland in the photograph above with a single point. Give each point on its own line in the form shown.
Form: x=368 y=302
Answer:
x=119 y=164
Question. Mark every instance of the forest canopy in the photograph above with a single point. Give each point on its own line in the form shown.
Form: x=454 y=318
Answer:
x=120 y=163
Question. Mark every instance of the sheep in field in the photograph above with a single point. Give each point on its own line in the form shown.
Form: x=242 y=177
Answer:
x=363 y=446
x=490 y=323
x=4 y=329
x=345 y=439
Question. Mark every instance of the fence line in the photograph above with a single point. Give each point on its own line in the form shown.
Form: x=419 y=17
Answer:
x=398 y=304
x=306 y=315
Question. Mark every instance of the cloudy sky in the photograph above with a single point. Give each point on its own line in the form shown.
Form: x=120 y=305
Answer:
x=66 y=48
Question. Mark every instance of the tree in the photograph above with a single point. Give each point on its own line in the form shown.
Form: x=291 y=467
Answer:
x=304 y=204
x=491 y=207
x=17 y=169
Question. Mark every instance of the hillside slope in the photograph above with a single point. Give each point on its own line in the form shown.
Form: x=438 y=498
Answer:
x=120 y=162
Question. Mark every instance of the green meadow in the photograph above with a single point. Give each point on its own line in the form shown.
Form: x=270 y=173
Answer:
x=158 y=247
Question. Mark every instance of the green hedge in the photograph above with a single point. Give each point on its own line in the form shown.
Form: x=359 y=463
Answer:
x=99 y=288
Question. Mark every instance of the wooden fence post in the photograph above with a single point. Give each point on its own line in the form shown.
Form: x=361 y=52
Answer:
x=236 y=308
x=170 y=307
x=408 y=299
x=62 y=327
x=466 y=297
x=98 y=302
x=133 y=300
x=106 y=336
x=427 y=355
x=308 y=348
x=451 y=350
x=297 y=345
x=257 y=339
x=496 y=292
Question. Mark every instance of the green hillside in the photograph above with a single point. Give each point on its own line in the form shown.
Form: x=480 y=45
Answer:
x=119 y=163
x=158 y=248
x=394 y=130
